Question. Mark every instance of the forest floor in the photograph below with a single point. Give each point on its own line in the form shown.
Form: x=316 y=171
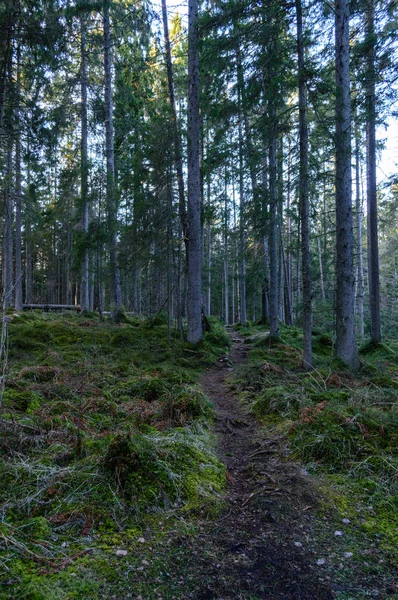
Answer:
x=133 y=468
x=259 y=547
x=276 y=537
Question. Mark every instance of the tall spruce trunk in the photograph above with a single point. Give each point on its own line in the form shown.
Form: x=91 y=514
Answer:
x=208 y=254
x=273 y=235
x=115 y=291
x=8 y=237
x=18 y=192
x=359 y=218
x=194 y=242
x=242 y=236
x=84 y=286
x=346 y=347
x=28 y=241
x=176 y=131
x=265 y=215
x=226 y=262
x=304 y=195
x=5 y=66
x=371 y=189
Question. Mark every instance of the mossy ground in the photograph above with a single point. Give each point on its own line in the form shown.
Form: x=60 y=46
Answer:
x=344 y=427
x=104 y=435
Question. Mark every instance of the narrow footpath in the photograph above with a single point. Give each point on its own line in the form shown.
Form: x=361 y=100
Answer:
x=260 y=546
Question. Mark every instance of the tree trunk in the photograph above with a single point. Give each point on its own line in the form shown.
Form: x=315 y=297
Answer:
x=176 y=132
x=194 y=249
x=265 y=216
x=242 y=237
x=115 y=292
x=28 y=243
x=208 y=256
x=226 y=265
x=5 y=67
x=8 y=237
x=273 y=236
x=18 y=190
x=346 y=347
x=304 y=195
x=84 y=287
x=321 y=277
x=374 y=282
x=359 y=217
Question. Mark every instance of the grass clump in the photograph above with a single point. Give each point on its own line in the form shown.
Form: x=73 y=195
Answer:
x=162 y=470
x=339 y=424
x=102 y=426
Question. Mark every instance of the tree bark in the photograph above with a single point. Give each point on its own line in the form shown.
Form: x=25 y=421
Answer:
x=5 y=67
x=304 y=195
x=226 y=262
x=346 y=347
x=359 y=218
x=273 y=235
x=115 y=292
x=8 y=237
x=242 y=237
x=208 y=254
x=176 y=131
x=84 y=286
x=194 y=242
x=18 y=191
x=371 y=188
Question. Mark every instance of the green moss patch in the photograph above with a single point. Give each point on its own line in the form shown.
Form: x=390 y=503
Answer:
x=339 y=425
x=103 y=426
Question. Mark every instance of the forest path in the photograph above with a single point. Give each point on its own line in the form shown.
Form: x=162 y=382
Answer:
x=260 y=546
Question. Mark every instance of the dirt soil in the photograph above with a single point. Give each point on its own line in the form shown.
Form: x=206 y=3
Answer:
x=260 y=545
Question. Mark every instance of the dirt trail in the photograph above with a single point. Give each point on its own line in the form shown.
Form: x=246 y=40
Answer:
x=260 y=547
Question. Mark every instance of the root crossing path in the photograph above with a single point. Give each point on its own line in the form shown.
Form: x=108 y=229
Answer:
x=260 y=546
